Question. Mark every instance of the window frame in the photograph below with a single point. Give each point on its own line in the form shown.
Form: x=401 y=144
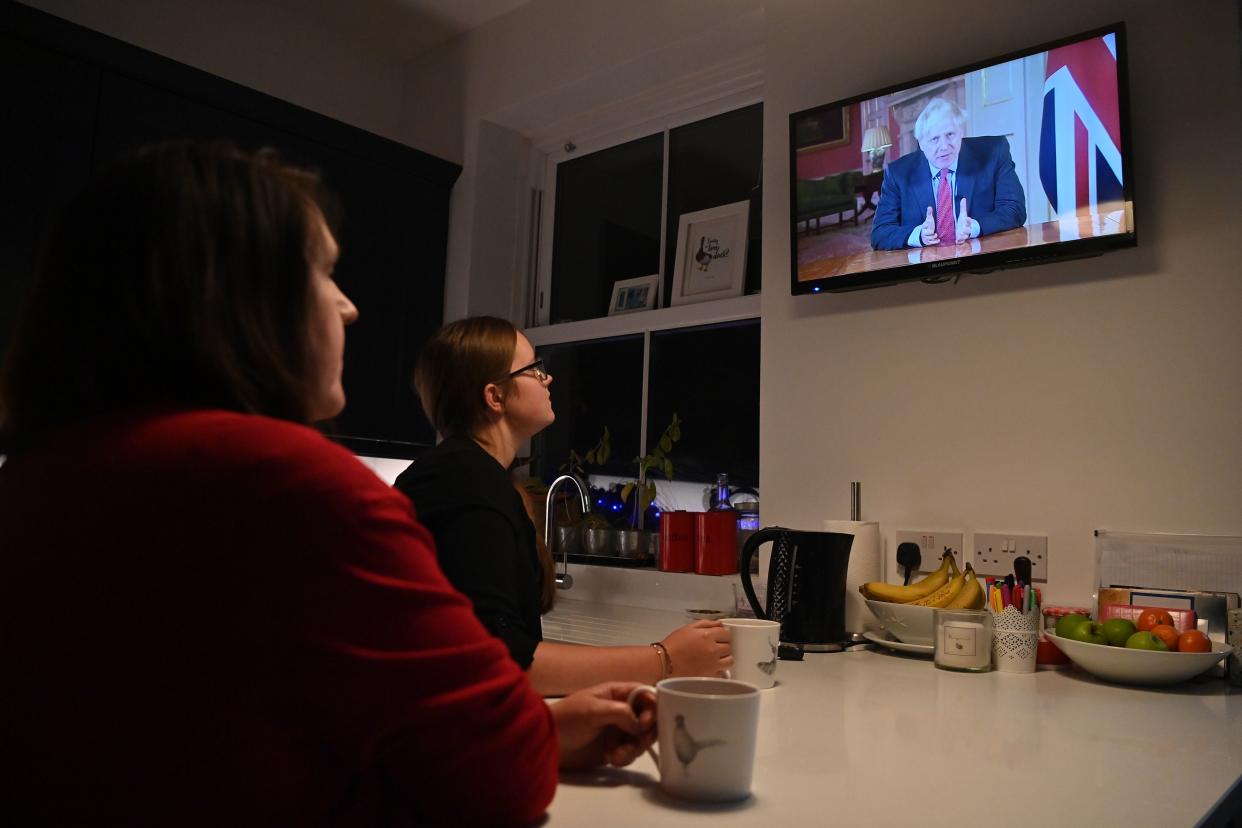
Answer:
x=551 y=155
x=629 y=123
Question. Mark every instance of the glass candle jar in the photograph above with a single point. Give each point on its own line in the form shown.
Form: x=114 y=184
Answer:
x=963 y=640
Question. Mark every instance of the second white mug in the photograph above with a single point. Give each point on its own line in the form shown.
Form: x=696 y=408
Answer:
x=754 y=642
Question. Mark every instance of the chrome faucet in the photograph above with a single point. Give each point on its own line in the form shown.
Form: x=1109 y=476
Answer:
x=563 y=580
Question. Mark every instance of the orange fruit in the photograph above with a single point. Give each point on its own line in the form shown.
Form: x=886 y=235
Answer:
x=1153 y=618
x=1193 y=641
x=1166 y=634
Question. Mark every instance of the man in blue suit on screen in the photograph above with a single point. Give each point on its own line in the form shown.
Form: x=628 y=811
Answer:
x=955 y=190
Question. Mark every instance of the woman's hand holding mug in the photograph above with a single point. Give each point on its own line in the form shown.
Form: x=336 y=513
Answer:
x=599 y=725
x=707 y=724
x=699 y=649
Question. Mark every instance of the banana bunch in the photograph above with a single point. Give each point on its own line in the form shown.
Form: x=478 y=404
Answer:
x=963 y=592
x=947 y=587
x=897 y=594
x=970 y=596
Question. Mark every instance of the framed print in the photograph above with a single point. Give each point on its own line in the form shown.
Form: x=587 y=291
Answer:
x=711 y=254
x=629 y=295
x=825 y=129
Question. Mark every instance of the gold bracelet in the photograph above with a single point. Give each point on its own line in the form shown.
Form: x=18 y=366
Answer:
x=666 y=661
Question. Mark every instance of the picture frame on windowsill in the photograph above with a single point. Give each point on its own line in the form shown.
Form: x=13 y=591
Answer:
x=711 y=254
x=631 y=295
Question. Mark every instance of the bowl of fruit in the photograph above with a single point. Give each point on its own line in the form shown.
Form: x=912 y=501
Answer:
x=906 y=611
x=1150 y=652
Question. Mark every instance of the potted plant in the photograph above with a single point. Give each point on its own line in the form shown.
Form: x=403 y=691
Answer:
x=640 y=494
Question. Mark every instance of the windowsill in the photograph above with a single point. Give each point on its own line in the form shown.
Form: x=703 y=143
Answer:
x=680 y=316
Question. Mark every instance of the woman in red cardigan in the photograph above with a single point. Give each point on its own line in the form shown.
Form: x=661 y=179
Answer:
x=210 y=613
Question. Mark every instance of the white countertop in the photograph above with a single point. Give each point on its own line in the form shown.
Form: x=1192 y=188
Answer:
x=880 y=739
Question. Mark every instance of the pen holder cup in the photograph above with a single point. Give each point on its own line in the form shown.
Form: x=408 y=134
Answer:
x=1015 y=640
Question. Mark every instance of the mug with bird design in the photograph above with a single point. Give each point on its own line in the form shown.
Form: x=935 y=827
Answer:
x=707 y=729
x=754 y=642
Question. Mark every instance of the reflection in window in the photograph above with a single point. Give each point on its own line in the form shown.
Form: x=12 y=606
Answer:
x=710 y=376
x=607 y=225
x=594 y=384
x=713 y=162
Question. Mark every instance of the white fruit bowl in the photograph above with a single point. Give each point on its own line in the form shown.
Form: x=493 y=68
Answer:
x=1125 y=665
x=906 y=622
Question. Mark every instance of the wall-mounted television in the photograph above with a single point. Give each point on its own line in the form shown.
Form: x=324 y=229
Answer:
x=1015 y=160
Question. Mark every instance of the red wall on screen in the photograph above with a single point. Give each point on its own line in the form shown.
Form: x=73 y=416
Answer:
x=819 y=163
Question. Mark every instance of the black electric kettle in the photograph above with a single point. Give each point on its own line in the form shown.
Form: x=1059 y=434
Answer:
x=806 y=584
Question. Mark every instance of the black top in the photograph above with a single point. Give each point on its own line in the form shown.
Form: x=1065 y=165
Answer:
x=484 y=538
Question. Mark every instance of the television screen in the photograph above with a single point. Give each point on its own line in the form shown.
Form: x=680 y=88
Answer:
x=1010 y=161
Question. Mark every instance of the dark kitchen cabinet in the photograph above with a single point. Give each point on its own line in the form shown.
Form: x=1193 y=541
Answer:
x=47 y=103
x=85 y=98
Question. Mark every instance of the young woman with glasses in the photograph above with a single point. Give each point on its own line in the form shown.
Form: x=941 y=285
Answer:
x=486 y=394
x=210 y=614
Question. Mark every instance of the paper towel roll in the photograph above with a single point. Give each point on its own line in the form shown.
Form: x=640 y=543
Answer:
x=866 y=561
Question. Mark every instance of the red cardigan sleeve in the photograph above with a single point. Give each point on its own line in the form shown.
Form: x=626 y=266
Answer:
x=394 y=667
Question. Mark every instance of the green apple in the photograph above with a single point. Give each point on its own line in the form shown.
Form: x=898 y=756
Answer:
x=1118 y=631
x=1145 y=641
x=1088 y=632
x=1067 y=622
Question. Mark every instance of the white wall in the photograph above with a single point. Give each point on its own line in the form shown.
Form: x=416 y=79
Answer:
x=1102 y=393
x=258 y=45
x=1058 y=399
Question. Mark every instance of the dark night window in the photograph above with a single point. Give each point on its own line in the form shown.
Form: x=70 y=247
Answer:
x=594 y=384
x=607 y=225
x=713 y=162
x=615 y=211
x=710 y=376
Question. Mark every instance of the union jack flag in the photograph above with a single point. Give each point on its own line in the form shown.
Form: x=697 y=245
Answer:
x=1080 y=135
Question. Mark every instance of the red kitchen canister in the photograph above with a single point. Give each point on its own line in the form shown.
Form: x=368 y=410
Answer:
x=677 y=542
x=715 y=542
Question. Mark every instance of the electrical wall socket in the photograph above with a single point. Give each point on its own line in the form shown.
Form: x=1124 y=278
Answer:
x=996 y=552
x=931 y=547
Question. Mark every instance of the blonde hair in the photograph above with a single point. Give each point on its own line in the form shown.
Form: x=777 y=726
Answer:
x=938 y=106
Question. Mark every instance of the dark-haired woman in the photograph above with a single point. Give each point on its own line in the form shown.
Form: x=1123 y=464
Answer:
x=486 y=394
x=210 y=614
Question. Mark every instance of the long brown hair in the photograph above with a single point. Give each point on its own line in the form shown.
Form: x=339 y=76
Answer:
x=453 y=368
x=547 y=565
x=180 y=275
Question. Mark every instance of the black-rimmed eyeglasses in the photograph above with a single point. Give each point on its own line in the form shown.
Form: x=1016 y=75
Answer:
x=535 y=368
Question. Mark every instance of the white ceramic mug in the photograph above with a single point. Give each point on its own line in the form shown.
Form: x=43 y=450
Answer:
x=707 y=730
x=754 y=643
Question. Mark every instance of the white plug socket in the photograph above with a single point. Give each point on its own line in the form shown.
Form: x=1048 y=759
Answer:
x=996 y=552
x=931 y=544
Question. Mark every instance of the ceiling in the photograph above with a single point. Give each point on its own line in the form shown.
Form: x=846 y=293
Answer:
x=403 y=29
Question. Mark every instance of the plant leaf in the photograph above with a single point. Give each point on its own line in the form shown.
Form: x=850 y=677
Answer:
x=668 y=469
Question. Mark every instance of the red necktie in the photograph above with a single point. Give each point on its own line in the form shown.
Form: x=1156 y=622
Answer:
x=945 y=228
